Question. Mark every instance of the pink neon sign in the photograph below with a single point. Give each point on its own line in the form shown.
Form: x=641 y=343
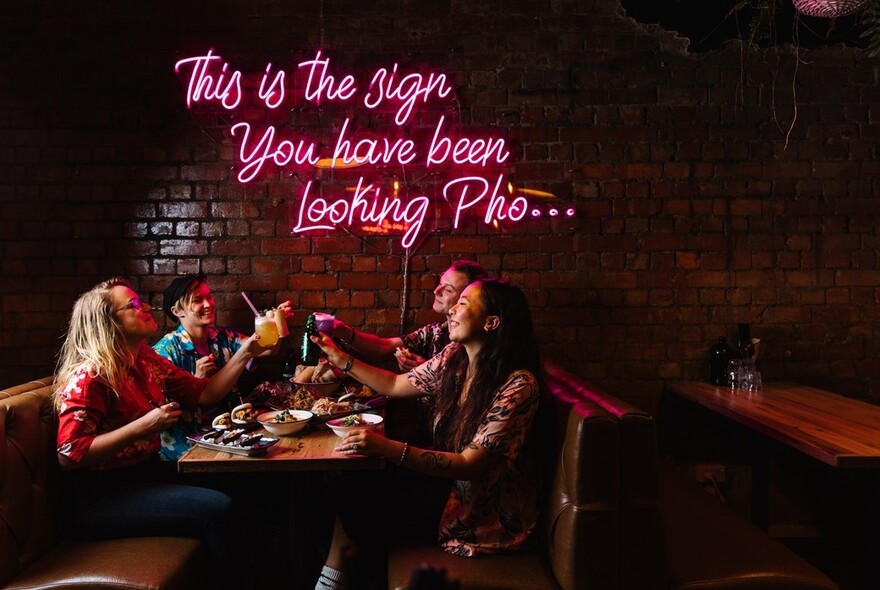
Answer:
x=431 y=145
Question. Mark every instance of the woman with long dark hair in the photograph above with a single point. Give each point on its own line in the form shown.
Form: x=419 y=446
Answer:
x=486 y=390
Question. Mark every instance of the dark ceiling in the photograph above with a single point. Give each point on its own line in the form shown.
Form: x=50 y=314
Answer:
x=711 y=23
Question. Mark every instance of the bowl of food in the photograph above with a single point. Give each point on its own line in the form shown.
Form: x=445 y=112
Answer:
x=284 y=422
x=342 y=426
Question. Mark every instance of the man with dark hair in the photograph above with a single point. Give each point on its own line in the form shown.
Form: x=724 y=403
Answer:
x=418 y=346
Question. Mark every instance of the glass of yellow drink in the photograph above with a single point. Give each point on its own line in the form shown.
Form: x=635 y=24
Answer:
x=266 y=327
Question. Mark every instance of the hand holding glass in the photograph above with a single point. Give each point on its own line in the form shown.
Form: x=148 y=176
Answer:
x=281 y=321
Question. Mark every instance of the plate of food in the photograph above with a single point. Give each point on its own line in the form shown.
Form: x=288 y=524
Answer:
x=358 y=391
x=238 y=441
x=327 y=408
x=282 y=395
x=320 y=379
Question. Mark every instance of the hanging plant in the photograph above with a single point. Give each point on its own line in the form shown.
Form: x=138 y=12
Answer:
x=760 y=27
x=871 y=33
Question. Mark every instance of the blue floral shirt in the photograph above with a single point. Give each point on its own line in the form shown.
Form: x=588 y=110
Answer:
x=179 y=347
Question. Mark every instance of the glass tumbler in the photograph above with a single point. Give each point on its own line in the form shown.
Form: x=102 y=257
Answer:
x=734 y=373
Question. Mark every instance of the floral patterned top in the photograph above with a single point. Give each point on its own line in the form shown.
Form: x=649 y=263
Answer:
x=428 y=340
x=497 y=511
x=179 y=347
x=89 y=406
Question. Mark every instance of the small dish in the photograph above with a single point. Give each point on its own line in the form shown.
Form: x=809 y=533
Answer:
x=366 y=421
x=293 y=421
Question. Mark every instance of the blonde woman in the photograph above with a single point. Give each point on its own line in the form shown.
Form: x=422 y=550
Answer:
x=115 y=396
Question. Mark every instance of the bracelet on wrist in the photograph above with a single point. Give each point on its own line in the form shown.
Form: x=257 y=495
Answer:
x=350 y=338
x=403 y=454
x=348 y=365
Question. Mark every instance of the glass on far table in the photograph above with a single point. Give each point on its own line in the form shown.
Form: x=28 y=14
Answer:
x=755 y=382
x=742 y=374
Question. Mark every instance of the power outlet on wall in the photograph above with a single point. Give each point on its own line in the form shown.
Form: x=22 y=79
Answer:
x=710 y=472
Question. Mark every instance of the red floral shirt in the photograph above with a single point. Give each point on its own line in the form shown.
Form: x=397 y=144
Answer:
x=89 y=406
x=497 y=511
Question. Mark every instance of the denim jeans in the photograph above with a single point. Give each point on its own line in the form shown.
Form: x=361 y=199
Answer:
x=138 y=502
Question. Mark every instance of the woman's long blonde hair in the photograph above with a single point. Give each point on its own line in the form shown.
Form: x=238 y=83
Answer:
x=94 y=338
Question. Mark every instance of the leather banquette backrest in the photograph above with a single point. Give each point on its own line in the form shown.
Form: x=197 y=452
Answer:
x=28 y=475
x=582 y=512
x=639 y=537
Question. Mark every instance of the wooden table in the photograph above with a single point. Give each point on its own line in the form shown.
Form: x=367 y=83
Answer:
x=304 y=456
x=309 y=450
x=839 y=431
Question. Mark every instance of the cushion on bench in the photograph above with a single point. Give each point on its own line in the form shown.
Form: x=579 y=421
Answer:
x=136 y=563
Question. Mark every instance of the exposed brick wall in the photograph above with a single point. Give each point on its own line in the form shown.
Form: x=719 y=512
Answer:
x=693 y=215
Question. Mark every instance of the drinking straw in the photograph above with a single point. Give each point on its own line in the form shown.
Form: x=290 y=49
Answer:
x=251 y=305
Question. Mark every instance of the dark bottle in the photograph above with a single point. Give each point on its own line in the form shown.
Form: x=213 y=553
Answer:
x=288 y=370
x=719 y=354
x=310 y=351
x=744 y=332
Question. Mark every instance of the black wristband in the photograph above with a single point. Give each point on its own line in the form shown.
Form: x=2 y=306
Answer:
x=350 y=338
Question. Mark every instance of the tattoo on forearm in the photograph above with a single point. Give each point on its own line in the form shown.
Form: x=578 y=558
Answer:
x=435 y=461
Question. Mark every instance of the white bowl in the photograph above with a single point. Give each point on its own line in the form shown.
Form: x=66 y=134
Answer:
x=300 y=420
x=369 y=422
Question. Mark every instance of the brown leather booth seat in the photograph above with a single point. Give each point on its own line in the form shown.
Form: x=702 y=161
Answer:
x=32 y=553
x=579 y=531
x=616 y=520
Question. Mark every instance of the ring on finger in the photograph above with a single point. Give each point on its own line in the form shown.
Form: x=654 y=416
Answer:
x=355 y=447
